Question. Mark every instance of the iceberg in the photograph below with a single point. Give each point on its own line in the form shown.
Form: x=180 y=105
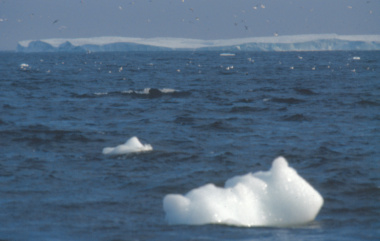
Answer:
x=133 y=145
x=275 y=198
x=312 y=42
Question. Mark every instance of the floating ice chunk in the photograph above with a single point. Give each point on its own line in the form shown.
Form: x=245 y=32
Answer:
x=131 y=146
x=24 y=66
x=278 y=197
x=227 y=54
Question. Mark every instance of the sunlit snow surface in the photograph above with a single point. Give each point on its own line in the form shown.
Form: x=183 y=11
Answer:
x=278 y=197
x=306 y=42
x=131 y=146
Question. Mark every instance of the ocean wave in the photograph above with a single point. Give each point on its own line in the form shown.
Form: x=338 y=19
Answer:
x=296 y=117
x=368 y=103
x=38 y=135
x=151 y=92
x=246 y=109
x=184 y=120
x=144 y=93
x=290 y=101
x=304 y=91
x=217 y=125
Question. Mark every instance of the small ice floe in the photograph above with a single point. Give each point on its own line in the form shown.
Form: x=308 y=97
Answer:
x=24 y=66
x=133 y=145
x=356 y=58
x=278 y=197
x=227 y=54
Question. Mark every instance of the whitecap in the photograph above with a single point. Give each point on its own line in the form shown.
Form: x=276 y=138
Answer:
x=145 y=91
x=128 y=92
x=101 y=93
x=168 y=90
x=133 y=145
x=148 y=91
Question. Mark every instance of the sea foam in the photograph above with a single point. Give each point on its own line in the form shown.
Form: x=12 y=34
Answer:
x=131 y=146
x=278 y=197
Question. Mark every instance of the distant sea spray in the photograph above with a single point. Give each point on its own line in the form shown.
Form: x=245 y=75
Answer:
x=315 y=42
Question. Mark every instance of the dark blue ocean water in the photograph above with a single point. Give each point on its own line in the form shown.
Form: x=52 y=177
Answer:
x=228 y=116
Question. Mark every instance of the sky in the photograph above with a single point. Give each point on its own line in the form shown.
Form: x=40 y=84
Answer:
x=197 y=19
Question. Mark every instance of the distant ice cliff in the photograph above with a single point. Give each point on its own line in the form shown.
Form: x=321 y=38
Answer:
x=318 y=42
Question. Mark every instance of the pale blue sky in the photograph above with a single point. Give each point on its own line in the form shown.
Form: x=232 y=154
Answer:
x=201 y=19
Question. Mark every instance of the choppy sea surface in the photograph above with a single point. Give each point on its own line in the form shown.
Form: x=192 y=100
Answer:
x=208 y=118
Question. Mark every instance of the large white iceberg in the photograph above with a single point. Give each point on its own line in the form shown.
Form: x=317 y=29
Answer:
x=133 y=145
x=278 y=197
x=280 y=43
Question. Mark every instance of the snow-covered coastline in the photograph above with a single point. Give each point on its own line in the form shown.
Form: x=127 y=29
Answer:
x=312 y=42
